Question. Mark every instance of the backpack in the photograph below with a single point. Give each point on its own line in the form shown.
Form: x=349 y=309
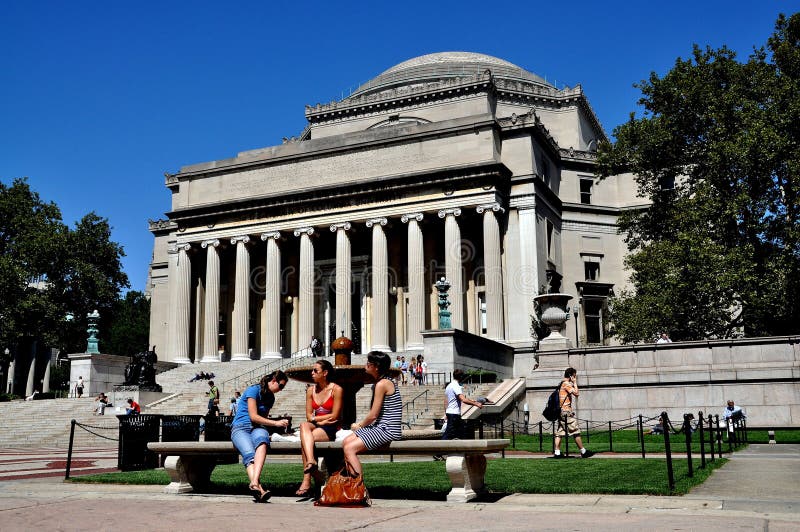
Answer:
x=552 y=410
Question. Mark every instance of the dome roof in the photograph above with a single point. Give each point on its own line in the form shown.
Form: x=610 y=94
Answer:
x=445 y=65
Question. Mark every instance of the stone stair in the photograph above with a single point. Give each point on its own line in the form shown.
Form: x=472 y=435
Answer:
x=46 y=423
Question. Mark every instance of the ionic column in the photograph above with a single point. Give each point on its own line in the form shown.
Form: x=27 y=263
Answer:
x=211 y=312
x=380 y=286
x=305 y=326
x=493 y=271
x=272 y=303
x=343 y=278
x=416 y=281
x=452 y=265
x=241 y=302
x=181 y=302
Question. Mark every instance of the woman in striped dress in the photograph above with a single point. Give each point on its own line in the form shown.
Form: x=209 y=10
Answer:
x=382 y=423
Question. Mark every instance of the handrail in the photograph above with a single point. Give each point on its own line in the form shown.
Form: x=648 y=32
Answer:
x=408 y=404
x=299 y=358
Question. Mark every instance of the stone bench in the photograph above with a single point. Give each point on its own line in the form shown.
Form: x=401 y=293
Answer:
x=190 y=463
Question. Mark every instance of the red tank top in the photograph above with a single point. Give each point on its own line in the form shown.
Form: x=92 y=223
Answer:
x=324 y=408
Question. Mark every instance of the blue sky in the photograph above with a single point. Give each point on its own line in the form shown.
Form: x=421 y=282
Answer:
x=99 y=99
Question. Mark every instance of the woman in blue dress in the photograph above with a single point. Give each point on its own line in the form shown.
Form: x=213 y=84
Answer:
x=382 y=423
x=248 y=429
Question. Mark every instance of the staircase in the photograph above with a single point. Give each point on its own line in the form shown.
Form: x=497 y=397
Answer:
x=46 y=423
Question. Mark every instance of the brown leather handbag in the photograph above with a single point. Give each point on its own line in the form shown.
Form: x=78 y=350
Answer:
x=344 y=488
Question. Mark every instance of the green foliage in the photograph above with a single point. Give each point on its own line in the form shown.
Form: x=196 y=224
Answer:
x=717 y=152
x=126 y=330
x=51 y=276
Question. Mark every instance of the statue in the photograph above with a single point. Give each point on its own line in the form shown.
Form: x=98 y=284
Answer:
x=141 y=371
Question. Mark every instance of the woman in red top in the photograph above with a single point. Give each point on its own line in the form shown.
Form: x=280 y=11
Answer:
x=323 y=411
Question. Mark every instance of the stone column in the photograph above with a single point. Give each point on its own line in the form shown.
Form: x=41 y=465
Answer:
x=305 y=325
x=380 y=286
x=241 y=302
x=211 y=310
x=493 y=272
x=30 y=385
x=272 y=304
x=10 y=380
x=344 y=312
x=416 y=281
x=452 y=265
x=182 y=305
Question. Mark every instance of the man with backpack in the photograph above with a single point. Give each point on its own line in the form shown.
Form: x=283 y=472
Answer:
x=567 y=424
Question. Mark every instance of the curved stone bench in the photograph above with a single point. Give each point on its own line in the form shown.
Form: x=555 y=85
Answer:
x=190 y=463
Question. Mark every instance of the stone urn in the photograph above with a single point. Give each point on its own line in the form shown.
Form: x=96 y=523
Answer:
x=554 y=314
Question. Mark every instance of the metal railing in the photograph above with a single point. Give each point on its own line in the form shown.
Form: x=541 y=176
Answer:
x=302 y=357
x=410 y=413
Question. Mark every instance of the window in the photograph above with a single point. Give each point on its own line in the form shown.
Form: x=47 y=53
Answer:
x=592 y=270
x=545 y=171
x=586 y=191
x=593 y=315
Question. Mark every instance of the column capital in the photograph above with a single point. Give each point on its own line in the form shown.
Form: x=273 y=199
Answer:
x=213 y=242
x=494 y=207
x=175 y=248
x=449 y=212
x=377 y=221
x=411 y=216
x=274 y=235
x=344 y=226
x=244 y=239
x=304 y=230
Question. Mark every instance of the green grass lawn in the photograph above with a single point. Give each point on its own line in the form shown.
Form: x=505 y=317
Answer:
x=624 y=441
x=428 y=480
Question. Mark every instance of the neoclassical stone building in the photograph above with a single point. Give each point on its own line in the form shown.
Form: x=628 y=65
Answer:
x=456 y=165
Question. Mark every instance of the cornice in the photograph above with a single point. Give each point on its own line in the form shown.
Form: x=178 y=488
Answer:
x=578 y=156
x=400 y=96
x=306 y=199
x=161 y=225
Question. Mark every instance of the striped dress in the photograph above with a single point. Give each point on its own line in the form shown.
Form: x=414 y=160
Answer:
x=387 y=427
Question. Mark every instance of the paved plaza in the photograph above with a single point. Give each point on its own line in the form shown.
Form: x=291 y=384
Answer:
x=758 y=489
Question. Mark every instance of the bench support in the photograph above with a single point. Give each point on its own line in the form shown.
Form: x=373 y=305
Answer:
x=188 y=473
x=467 y=474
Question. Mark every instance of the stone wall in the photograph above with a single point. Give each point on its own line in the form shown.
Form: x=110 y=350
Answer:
x=762 y=375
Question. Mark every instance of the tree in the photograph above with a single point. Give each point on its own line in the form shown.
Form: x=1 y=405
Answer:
x=717 y=152
x=128 y=329
x=49 y=273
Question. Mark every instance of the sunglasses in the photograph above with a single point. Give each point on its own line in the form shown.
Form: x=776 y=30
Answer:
x=281 y=385
x=316 y=370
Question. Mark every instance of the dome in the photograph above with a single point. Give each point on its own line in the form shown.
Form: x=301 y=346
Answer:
x=441 y=65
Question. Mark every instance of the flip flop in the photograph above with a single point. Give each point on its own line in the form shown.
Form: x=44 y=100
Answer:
x=265 y=496
x=310 y=468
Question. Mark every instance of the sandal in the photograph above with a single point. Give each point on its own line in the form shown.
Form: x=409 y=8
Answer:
x=265 y=496
x=310 y=468
x=256 y=492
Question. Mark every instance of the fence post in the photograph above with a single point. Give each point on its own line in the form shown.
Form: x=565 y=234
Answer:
x=587 y=431
x=687 y=431
x=638 y=426
x=702 y=440
x=711 y=435
x=566 y=436
x=744 y=429
x=553 y=439
x=610 y=439
x=69 y=449
x=640 y=433
x=668 y=452
x=541 y=441
x=731 y=434
x=513 y=435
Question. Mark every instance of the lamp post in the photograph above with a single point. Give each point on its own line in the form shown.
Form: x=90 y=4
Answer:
x=576 y=310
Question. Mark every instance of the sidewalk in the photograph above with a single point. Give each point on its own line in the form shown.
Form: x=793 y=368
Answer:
x=758 y=488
